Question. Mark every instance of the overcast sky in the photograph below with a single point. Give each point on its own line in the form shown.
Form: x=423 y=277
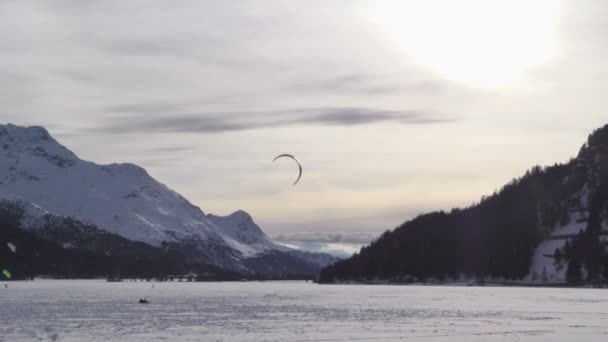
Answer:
x=393 y=107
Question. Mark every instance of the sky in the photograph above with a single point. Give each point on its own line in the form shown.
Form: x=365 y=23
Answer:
x=394 y=108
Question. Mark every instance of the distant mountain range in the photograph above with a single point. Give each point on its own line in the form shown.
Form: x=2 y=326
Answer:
x=43 y=185
x=549 y=226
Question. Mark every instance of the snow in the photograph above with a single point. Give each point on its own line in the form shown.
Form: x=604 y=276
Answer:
x=242 y=234
x=571 y=228
x=89 y=311
x=543 y=268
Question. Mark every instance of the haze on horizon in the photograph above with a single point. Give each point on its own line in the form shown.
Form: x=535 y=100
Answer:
x=393 y=107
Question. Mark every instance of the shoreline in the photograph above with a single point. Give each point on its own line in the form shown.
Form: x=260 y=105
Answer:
x=377 y=282
x=475 y=284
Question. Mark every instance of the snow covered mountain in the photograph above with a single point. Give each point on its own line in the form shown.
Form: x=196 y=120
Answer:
x=124 y=199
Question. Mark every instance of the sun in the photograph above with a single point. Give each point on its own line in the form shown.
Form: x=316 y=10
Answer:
x=480 y=43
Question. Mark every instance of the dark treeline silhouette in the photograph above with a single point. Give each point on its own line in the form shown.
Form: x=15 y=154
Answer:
x=497 y=236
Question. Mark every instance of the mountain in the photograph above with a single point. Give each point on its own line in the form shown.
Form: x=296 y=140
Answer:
x=123 y=199
x=548 y=226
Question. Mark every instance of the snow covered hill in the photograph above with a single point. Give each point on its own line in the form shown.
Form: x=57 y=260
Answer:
x=125 y=200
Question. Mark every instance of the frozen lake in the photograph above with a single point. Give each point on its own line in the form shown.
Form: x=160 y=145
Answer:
x=87 y=310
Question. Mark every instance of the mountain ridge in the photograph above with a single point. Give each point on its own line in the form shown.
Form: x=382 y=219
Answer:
x=124 y=199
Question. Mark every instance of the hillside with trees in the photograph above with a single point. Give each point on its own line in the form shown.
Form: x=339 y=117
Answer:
x=497 y=237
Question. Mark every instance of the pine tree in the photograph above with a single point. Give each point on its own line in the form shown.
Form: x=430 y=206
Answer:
x=573 y=273
x=567 y=250
x=558 y=259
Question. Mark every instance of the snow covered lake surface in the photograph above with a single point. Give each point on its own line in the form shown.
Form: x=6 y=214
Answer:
x=94 y=310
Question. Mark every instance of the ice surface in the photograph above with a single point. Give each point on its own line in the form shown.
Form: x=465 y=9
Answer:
x=56 y=310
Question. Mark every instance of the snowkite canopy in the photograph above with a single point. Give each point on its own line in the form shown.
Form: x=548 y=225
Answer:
x=294 y=158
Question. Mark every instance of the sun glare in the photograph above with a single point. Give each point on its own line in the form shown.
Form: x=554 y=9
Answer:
x=480 y=43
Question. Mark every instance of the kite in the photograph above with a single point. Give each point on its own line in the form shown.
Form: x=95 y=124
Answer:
x=12 y=247
x=294 y=158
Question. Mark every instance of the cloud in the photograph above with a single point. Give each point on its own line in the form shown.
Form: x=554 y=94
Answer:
x=358 y=83
x=351 y=83
x=195 y=68
x=173 y=149
x=360 y=116
x=132 y=118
